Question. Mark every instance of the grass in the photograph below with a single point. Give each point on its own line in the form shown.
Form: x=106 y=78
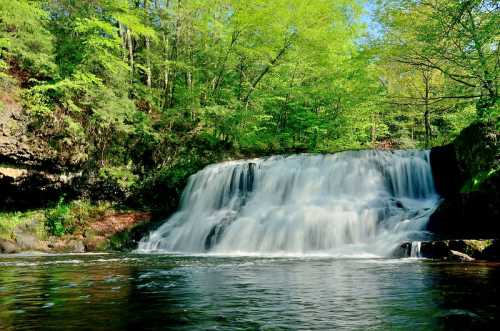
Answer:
x=9 y=221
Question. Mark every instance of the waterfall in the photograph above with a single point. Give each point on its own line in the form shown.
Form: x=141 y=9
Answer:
x=415 y=249
x=361 y=203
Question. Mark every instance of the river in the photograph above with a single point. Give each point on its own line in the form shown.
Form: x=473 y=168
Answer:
x=179 y=292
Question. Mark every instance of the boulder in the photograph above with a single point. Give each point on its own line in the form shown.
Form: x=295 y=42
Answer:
x=69 y=245
x=448 y=178
x=29 y=242
x=464 y=175
x=8 y=246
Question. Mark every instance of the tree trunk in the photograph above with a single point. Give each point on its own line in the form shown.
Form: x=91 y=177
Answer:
x=148 y=52
x=130 y=53
x=374 y=130
x=428 y=133
x=123 y=39
x=265 y=71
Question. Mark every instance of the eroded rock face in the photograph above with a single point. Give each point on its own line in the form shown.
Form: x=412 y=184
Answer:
x=448 y=178
x=474 y=213
x=469 y=215
x=17 y=146
x=477 y=148
x=31 y=173
x=26 y=188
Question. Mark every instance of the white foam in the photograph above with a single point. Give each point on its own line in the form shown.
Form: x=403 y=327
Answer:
x=351 y=204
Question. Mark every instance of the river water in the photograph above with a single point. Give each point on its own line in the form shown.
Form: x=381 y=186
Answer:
x=175 y=292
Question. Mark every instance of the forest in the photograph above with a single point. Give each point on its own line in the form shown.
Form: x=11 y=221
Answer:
x=139 y=95
x=249 y=165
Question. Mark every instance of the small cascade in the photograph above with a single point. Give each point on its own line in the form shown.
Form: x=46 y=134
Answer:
x=360 y=203
x=415 y=249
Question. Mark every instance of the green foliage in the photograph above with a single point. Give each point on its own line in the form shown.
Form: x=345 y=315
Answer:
x=72 y=217
x=141 y=94
x=121 y=176
x=9 y=221
x=474 y=183
x=57 y=219
x=440 y=58
x=24 y=37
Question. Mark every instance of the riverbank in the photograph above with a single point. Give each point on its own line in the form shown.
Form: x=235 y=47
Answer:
x=101 y=215
x=74 y=227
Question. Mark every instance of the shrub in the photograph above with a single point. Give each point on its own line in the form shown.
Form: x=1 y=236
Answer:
x=57 y=219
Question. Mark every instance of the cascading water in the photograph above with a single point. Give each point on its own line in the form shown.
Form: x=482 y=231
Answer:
x=345 y=204
x=415 y=249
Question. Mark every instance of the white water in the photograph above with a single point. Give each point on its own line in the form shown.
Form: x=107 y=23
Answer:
x=362 y=203
x=415 y=249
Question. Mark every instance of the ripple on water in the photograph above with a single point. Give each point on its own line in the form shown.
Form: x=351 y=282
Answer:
x=231 y=293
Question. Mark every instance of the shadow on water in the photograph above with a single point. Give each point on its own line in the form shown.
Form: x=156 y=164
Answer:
x=468 y=295
x=133 y=292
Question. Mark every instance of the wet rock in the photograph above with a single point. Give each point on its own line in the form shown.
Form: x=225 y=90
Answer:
x=402 y=251
x=435 y=249
x=67 y=245
x=469 y=215
x=8 y=247
x=452 y=250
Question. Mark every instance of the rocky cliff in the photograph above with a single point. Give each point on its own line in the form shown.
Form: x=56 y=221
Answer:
x=467 y=175
x=31 y=172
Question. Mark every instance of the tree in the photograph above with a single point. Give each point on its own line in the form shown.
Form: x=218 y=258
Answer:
x=457 y=38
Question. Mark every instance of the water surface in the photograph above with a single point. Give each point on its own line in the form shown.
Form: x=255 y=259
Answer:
x=162 y=292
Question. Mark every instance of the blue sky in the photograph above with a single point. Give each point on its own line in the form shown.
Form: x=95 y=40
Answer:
x=373 y=27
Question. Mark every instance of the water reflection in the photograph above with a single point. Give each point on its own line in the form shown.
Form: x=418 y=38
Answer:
x=197 y=293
